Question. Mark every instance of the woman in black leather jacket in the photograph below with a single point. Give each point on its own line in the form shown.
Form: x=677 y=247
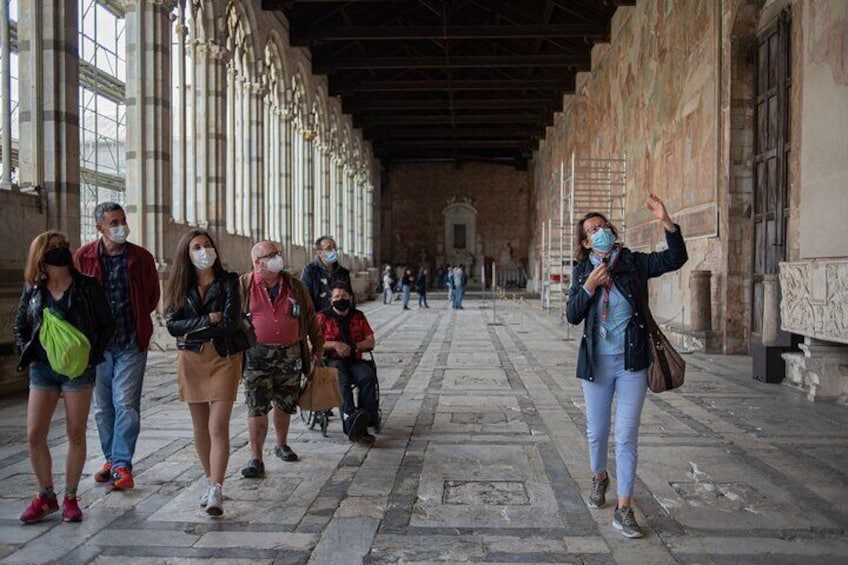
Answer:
x=605 y=293
x=52 y=281
x=203 y=311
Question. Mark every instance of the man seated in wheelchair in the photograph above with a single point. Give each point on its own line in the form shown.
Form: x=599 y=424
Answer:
x=347 y=335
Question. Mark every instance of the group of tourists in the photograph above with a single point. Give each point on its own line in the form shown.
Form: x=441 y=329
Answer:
x=83 y=325
x=403 y=283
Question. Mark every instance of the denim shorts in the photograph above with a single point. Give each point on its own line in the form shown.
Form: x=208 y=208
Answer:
x=43 y=377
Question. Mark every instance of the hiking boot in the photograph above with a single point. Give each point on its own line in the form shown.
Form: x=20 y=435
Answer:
x=122 y=479
x=598 y=498
x=70 y=509
x=624 y=520
x=41 y=506
x=215 y=500
x=285 y=453
x=104 y=475
x=255 y=469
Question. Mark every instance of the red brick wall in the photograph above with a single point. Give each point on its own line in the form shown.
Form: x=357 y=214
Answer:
x=414 y=196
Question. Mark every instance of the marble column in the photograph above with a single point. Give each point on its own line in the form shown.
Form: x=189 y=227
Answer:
x=256 y=161
x=148 y=99
x=49 y=148
x=209 y=140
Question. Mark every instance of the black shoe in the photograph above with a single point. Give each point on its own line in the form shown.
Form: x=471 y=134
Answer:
x=357 y=425
x=285 y=453
x=255 y=469
x=366 y=439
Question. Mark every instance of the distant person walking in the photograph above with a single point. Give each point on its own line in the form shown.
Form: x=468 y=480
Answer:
x=407 y=280
x=459 y=281
x=388 y=282
x=421 y=287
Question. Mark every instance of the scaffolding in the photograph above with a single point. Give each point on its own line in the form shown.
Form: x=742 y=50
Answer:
x=588 y=185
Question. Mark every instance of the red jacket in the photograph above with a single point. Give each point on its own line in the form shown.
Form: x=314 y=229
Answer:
x=144 y=283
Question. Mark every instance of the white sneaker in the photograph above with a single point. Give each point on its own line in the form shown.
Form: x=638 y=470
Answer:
x=215 y=500
x=206 y=486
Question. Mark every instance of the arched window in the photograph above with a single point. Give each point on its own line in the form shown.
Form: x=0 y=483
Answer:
x=238 y=124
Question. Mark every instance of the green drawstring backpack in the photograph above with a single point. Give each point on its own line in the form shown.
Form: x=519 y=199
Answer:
x=67 y=348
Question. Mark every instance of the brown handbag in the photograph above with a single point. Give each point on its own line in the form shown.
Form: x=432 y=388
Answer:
x=322 y=389
x=667 y=368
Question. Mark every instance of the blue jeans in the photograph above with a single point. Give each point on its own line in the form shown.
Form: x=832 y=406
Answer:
x=629 y=389
x=458 y=294
x=360 y=374
x=117 y=403
x=406 y=297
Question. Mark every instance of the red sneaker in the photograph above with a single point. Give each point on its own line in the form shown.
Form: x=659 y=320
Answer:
x=70 y=510
x=40 y=507
x=122 y=479
x=104 y=475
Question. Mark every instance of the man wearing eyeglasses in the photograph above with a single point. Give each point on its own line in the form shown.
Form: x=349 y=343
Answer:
x=281 y=310
x=320 y=275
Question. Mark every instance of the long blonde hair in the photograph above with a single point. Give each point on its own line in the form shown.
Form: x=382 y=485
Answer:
x=34 y=269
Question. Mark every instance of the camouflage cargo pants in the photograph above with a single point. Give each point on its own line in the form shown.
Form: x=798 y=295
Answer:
x=272 y=374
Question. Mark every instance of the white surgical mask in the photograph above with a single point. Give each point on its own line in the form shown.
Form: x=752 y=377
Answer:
x=203 y=258
x=119 y=234
x=331 y=256
x=274 y=264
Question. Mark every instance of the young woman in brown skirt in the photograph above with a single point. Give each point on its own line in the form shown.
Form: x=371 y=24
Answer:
x=203 y=312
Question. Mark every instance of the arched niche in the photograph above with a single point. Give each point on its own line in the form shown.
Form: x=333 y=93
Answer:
x=460 y=232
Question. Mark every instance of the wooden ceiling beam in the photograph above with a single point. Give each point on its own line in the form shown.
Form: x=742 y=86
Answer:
x=505 y=131
x=386 y=119
x=324 y=65
x=425 y=85
x=389 y=104
x=316 y=34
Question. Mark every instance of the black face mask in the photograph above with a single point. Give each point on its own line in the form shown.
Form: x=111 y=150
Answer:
x=341 y=304
x=58 y=257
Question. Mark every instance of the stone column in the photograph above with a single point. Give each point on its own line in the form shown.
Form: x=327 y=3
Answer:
x=5 y=96
x=699 y=291
x=309 y=190
x=256 y=161
x=286 y=187
x=148 y=98
x=771 y=310
x=326 y=188
x=209 y=121
x=49 y=150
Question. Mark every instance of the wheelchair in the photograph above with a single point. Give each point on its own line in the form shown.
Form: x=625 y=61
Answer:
x=321 y=418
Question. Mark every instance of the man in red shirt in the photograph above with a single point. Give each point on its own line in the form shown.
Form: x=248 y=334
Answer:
x=346 y=335
x=285 y=323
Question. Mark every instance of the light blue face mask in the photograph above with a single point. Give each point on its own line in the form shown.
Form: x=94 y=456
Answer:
x=603 y=240
x=331 y=256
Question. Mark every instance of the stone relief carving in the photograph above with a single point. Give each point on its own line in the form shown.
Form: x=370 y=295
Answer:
x=815 y=299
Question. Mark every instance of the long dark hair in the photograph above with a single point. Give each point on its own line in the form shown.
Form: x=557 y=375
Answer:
x=580 y=252
x=183 y=275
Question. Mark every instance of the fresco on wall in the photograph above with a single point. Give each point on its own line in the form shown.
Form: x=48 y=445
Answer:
x=652 y=95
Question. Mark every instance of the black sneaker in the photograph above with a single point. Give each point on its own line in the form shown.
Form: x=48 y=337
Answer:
x=598 y=498
x=255 y=469
x=285 y=453
x=366 y=439
x=624 y=521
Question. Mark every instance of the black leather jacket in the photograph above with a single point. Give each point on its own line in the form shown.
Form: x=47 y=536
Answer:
x=192 y=320
x=581 y=306
x=88 y=311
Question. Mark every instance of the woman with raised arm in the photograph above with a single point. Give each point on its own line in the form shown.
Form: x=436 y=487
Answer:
x=614 y=355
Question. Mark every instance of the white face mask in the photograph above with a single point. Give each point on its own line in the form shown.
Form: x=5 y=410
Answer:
x=203 y=258
x=119 y=234
x=274 y=264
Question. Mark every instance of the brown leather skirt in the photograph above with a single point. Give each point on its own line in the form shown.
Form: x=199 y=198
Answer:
x=206 y=376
